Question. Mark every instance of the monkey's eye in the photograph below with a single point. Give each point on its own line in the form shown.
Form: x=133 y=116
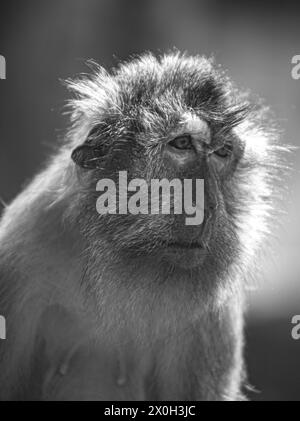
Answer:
x=224 y=151
x=182 y=142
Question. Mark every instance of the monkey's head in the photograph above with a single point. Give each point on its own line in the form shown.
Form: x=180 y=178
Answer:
x=174 y=117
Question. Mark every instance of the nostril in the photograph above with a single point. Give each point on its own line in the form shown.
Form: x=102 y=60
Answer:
x=211 y=209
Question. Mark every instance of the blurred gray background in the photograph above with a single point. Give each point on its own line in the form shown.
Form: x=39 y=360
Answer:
x=46 y=41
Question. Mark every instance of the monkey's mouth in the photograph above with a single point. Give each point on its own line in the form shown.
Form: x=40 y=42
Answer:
x=183 y=253
x=183 y=245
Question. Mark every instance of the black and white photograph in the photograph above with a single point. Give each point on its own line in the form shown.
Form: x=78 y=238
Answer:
x=149 y=203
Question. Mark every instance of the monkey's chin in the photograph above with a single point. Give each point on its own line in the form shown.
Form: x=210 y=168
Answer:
x=184 y=257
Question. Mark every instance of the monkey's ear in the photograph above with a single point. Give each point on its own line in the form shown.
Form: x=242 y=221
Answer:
x=89 y=155
x=86 y=156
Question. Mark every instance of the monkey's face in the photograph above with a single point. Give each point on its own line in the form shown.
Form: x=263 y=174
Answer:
x=177 y=119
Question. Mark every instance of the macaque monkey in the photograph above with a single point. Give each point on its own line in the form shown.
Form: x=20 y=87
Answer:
x=139 y=306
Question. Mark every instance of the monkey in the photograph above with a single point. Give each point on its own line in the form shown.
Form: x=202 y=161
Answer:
x=122 y=306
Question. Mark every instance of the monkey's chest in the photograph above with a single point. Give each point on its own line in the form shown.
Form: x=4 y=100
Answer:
x=98 y=373
x=191 y=365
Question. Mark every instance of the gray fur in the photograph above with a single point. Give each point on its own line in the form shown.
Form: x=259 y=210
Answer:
x=74 y=284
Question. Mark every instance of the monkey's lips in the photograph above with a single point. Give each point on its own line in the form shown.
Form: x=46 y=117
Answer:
x=185 y=245
x=186 y=254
